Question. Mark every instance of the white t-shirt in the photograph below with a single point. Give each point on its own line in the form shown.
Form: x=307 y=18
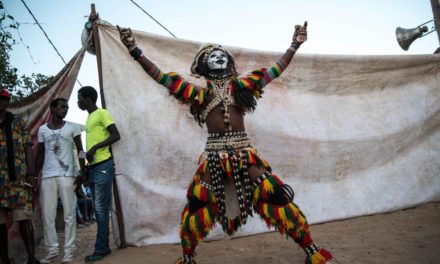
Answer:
x=59 y=156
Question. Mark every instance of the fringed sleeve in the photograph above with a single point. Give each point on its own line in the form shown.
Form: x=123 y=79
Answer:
x=185 y=92
x=257 y=79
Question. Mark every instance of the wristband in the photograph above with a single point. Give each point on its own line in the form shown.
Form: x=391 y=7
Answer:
x=295 y=45
x=82 y=155
x=136 y=53
x=292 y=49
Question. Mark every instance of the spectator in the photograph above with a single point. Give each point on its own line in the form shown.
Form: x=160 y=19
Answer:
x=16 y=171
x=57 y=161
x=101 y=132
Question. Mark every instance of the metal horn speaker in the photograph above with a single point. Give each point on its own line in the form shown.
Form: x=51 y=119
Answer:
x=406 y=36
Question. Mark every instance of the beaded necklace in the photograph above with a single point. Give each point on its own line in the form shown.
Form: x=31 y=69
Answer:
x=56 y=147
x=221 y=90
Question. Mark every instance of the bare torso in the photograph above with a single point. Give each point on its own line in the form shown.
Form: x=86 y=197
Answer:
x=215 y=123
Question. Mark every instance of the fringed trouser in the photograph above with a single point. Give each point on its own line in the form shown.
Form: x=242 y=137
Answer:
x=270 y=197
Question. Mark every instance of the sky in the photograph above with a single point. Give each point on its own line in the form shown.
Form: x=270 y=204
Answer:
x=350 y=27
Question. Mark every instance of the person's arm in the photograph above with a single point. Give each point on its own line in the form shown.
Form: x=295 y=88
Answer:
x=259 y=78
x=81 y=158
x=80 y=193
x=39 y=160
x=80 y=151
x=112 y=138
x=299 y=37
x=29 y=163
x=182 y=90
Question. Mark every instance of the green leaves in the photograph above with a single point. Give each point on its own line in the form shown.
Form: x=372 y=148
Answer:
x=19 y=86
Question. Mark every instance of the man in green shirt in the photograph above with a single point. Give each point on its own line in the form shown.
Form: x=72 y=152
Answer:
x=101 y=132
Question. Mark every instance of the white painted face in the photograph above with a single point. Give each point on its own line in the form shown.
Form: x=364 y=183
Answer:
x=217 y=60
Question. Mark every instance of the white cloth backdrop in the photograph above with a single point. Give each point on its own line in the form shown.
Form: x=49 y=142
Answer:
x=353 y=135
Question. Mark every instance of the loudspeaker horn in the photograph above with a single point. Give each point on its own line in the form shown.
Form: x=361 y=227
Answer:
x=406 y=36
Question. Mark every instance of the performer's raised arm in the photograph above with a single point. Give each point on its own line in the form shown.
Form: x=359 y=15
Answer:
x=257 y=79
x=182 y=90
x=299 y=37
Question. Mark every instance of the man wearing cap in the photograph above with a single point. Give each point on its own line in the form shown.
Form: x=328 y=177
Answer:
x=15 y=179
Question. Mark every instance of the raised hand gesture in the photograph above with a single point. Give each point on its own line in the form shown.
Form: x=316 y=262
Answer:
x=127 y=38
x=300 y=35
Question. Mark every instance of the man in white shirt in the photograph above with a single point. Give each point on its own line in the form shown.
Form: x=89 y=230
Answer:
x=57 y=160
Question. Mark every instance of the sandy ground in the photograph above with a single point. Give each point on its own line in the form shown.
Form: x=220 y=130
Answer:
x=406 y=236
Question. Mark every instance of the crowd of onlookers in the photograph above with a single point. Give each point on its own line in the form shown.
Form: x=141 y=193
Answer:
x=61 y=175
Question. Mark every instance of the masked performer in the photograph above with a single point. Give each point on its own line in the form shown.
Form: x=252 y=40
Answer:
x=232 y=179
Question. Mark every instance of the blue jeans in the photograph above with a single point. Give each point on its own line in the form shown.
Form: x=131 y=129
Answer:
x=101 y=179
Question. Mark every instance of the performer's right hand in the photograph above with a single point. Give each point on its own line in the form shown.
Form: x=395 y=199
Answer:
x=127 y=38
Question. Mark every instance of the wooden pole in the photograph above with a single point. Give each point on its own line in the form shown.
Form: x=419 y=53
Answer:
x=436 y=13
x=94 y=17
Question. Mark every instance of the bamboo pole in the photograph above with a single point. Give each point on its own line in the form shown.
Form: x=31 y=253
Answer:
x=436 y=13
x=119 y=215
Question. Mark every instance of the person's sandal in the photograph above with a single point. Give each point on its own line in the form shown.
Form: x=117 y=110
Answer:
x=96 y=256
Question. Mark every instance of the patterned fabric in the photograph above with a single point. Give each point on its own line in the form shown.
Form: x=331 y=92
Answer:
x=229 y=162
x=287 y=219
x=14 y=194
x=195 y=226
x=188 y=93
x=234 y=161
x=257 y=79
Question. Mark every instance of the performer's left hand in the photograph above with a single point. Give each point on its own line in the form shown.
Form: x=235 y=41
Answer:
x=300 y=35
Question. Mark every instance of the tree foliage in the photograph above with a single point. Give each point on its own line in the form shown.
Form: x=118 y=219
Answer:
x=19 y=86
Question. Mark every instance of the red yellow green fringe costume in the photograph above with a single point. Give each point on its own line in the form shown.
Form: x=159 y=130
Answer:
x=288 y=219
x=206 y=204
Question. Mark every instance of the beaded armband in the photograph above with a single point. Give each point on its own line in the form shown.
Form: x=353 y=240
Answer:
x=294 y=46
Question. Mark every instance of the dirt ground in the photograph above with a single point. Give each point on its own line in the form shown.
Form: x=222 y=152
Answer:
x=406 y=236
